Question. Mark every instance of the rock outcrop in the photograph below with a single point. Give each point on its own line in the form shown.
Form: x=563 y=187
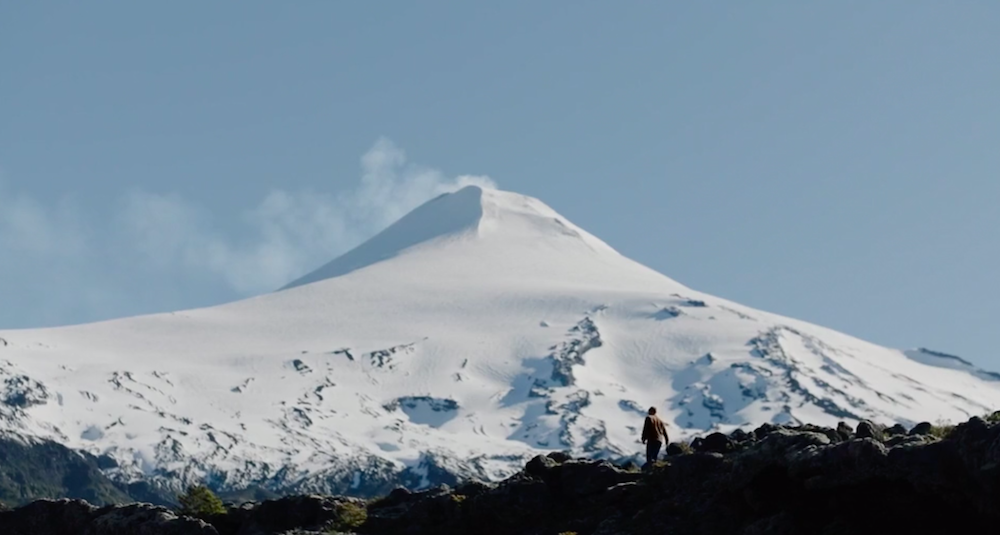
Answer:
x=775 y=480
x=77 y=517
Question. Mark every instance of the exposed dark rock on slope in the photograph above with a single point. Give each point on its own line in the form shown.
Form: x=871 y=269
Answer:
x=773 y=480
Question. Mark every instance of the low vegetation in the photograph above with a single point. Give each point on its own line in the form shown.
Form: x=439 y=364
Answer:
x=350 y=516
x=200 y=501
x=942 y=430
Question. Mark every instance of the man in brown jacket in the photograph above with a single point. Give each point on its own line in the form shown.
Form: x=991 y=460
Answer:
x=654 y=435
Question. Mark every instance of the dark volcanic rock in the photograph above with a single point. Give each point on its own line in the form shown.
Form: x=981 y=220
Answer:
x=305 y=513
x=47 y=517
x=540 y=465
x=764 y=430
x=582 y=478
x=923 y=428
x=716 y=443
x=740 y=436
x=896 y=430
x=560 y=456
x=845 y=431
x=675 y=448
x=868 y=429
x=145 y=519
x=75 y=517
x=780 y=480
x=805 y=479
x=576 y=478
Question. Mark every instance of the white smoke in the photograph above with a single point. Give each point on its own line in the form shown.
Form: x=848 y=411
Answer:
x=280 y=239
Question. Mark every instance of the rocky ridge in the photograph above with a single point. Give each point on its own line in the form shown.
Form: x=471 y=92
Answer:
x=772 y=480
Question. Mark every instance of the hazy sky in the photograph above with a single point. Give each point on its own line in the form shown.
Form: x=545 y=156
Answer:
x=832 y=161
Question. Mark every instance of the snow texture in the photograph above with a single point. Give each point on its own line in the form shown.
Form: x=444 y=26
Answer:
x=422 y=352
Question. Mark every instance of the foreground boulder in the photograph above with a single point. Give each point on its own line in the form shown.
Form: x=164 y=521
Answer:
x=145 y=519
x=294 y=513
x=75 y=517
x=45 y=516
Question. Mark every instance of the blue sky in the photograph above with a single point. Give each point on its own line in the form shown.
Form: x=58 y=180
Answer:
x=831 y=161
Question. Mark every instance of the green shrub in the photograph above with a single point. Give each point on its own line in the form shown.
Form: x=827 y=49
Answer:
x=993 y=418
x=349 y=516
x=942 y=429
x=200 y=501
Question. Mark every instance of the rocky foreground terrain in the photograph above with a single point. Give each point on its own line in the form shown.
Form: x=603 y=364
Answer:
x=773 y=480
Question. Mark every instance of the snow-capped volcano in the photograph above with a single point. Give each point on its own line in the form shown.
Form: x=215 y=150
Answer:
x=475 y=224
x=474 y=332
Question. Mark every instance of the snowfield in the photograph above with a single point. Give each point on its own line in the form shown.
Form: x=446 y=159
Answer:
x=474 y=332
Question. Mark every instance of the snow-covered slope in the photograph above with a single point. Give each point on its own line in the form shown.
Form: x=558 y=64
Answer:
x=477 y=330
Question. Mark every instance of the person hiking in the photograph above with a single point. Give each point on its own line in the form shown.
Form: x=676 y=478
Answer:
x=654 y=435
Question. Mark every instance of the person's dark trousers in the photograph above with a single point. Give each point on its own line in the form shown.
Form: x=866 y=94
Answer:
x=652 y=450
